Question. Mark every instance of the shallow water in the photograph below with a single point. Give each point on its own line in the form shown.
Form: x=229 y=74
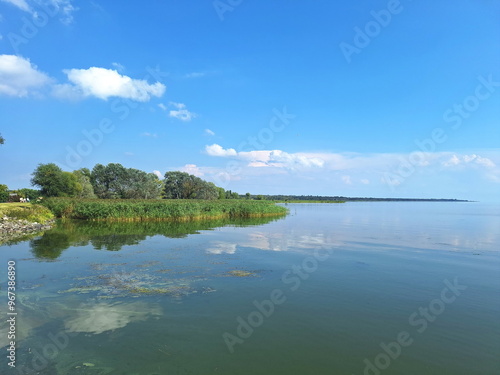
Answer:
x=322 y=291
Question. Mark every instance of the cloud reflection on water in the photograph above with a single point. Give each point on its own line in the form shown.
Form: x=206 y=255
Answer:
x=100 y=317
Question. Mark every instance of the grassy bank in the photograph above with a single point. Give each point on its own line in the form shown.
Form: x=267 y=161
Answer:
x=26 y=211
x=176 y=209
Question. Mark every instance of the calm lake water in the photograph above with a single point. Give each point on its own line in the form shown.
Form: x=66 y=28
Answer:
x=354 y=288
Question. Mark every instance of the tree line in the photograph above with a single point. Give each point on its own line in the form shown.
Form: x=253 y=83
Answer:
x=114 y=181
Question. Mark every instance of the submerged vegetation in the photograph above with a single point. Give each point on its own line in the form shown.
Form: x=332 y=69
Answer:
x=178 y=209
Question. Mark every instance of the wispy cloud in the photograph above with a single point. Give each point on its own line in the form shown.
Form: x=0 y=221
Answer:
x=468 y=159
x=119 y=67
x=195 y=75
x=147 y=134
x=181 y=112
x=347 y=180
x=209 y=132
x=64 y=8
x=353 y=170
x=21 y=4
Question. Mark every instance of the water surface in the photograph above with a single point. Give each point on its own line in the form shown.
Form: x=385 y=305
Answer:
x=321 y=291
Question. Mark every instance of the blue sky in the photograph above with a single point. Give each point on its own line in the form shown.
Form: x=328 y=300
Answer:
x=366 y=98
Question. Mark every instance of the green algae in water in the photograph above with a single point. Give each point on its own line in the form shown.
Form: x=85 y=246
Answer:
x=241 y=273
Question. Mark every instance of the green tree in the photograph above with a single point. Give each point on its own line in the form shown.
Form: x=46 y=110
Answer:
x=85 y=189
x=141 y=185
x=114 y=181
x=175 y=184
x=108 y=180
x=248 y=195
x=222 y=193
x=4 y=193
x=206 y=190
x=53 y=182
x=2 y=140
x=181 y=185
x=232 y=195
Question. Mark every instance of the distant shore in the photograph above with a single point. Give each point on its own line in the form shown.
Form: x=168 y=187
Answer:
x=340 y=199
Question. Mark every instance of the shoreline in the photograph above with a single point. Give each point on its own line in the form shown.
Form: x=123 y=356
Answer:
x=13 y=229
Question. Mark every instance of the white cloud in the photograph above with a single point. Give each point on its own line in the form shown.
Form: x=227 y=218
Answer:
x=472 y=159
x=192 y=169
x=162 y=106
x=21 y=4
x=18 y=77
x=158 y=173
x=216 y=150
x=105 y=83
x=294 y=160
x=381 y=174
x=454 y=160
x=181 y=113
x=209 y=132
x=267 y=158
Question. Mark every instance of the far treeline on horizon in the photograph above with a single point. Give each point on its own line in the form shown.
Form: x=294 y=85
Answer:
x=114 y=181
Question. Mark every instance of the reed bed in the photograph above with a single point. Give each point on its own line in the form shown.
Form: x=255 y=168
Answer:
x=165 y=209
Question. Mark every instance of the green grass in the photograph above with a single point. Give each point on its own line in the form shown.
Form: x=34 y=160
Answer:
x=174 y=209
x=26 y=211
